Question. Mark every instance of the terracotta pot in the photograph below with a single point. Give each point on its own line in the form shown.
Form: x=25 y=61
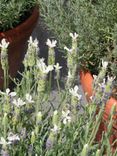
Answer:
x=18 y=37
x=86 y=81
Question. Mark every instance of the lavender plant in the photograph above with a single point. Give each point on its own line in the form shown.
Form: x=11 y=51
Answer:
x=4 y=61
x=28 y=127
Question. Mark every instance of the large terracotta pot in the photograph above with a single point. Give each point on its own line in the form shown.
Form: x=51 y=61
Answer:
x=86 y=81
x=18 y=37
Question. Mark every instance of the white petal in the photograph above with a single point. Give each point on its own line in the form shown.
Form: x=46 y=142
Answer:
x=4 y=44
x=7 y=91
x=69 y=50
x=95 y=77
x=76 y=89
x=74 y=36
x=2 y=141
x=64 y=121
x=55 y=112
x=50 y=43
x=57 y=67
x=12 y=94
x=104 y=64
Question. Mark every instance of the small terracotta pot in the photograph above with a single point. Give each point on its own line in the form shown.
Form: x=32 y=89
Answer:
x=86 y=81
x=18 y=37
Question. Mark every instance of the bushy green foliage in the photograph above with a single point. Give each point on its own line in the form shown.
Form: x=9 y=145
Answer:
x=13 y=12
x=94 y=21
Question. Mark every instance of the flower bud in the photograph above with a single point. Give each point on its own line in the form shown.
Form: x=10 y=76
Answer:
x=33 y=138
x=85 y=150
x=98 y=153
x=5 y=119
x=51 y=54
x=38 y=117
x=4 y=55
x=41 y=85
x=50 y=141
x=55 y=118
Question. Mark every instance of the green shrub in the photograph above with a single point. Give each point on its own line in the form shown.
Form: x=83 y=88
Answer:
x=94 y=21
x=13 y=12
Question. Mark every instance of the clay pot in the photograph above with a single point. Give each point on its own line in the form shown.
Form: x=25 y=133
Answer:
x=18 y=37
x=86 y=81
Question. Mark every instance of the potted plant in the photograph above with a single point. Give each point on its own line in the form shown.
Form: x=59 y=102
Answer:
x=17 y=21
x=95 y=22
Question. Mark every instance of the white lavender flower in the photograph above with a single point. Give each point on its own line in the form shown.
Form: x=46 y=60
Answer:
x=74 y=36
x=4 y=44
x=104 y=64
x=49 y=68
x=57 y=67
x=102 y=85
x=29 y=98
x=32 y=52
x=66 y=117
x=55 y=129
x=8 y=93
x=13 y=137
x=33 y=42
x=50 y=43
x=43 y=68
x=18 y=102
x=108 y=88
x=68 y=50
x=103 y=91
x=110 y=79
x=74 y=92
x=91 y=98
x=69 y=75
x=95 y=77
x=41 y=64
